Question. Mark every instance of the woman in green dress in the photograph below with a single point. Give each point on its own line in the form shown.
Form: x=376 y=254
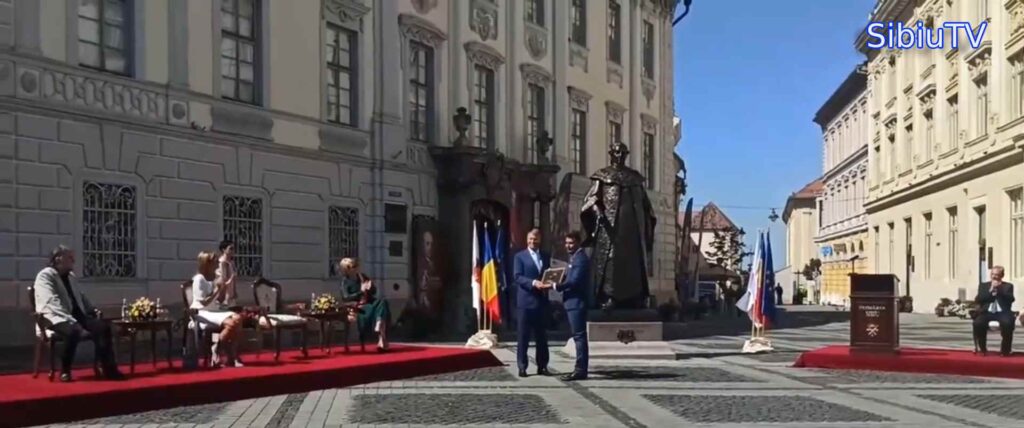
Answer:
x=374 y=313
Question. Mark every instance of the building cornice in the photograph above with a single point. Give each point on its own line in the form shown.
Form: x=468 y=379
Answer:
x=861 y=155
x=860 y=228
x=885 y=10
x=848 y=92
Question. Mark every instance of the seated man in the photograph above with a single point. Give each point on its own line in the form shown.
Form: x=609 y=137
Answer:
x=994 y=300
x=70 y=315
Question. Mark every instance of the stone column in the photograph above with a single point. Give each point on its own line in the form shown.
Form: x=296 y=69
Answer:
x=458 y=93
x=633 y=129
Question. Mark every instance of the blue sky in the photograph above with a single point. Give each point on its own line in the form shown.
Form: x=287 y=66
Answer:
x=749 y=76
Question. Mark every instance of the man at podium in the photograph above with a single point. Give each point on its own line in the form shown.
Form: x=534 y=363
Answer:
x=994 y=300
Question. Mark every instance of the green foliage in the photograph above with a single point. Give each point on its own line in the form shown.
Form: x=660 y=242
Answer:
x=812 y=269
x=727 y=250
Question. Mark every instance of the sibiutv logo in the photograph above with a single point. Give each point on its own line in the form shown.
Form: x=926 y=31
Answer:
x=895 y=35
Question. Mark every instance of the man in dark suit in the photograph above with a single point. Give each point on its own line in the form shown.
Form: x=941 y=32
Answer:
x=574 y=289
x=994 y=300
x=532 y=302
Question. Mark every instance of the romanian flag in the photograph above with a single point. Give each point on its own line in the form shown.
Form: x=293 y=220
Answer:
x=489 y=280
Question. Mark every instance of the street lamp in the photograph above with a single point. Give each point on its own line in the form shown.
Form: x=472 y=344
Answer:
x=686 y=11
x=773 y=216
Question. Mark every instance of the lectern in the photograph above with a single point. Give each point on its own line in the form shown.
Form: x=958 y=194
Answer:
x=874 y=319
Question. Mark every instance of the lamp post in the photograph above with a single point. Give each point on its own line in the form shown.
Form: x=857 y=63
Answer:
x=686 y=11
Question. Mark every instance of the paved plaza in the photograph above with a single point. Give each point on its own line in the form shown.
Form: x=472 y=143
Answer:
x=711 y=385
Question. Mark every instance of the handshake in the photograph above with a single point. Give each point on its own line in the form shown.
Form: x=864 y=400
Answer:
x=542 y=285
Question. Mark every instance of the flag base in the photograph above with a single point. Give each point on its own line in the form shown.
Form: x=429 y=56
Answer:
x=756 y=345
x=482 y=339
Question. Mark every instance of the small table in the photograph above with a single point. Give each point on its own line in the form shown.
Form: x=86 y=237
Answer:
x=132 y=328
x=326 y=320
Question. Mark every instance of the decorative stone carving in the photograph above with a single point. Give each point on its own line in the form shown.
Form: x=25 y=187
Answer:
x=954 y=67
x=536 y=42
x=890 y=130
x=979 y=62
x=615 y=74
x=424 y=6
x=482 y=54
x=96 y=93
x=648 y=124
x=421 y=30
x=928 y=100
x=647 y=86
x=346 y=10
x=579 y=99
x=484 y=19
x=578 y=56
x=535 y=74
x=1015 y=10
x=615 y=111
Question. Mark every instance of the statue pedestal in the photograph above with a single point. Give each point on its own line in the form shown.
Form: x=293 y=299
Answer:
x=611 y=337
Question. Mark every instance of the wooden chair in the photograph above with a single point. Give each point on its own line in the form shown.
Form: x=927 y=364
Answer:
x=47 y=338
x=190 y=323
x=267 y=296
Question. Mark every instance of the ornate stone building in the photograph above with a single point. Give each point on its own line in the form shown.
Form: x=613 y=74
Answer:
x=946 y=152
x=140 y=132
x=842 y=233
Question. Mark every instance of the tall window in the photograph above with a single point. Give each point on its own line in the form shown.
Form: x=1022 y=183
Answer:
x=579 y=141
x=421 y=96
x=648 y=160
x=483 y=103
x=341 y=76
x=238 y=20
x=892 y=248
x=892 y=156
x=878 y=241
x=343 y=236
x=108 y=230
x=534 y=119
x=983 y=13
x=981 y=98
x=535 y=12
x=648 y=46
x=104 y=35
x=1017 y=233
x=1017 y=85
x=953 y=122
x=876 y=166
x=929 y=134
x=579 y=22
x=243 y=225
x=614 y=32
x=954 y=240
x=908 y=147
x=928 y=245
x=614 y=132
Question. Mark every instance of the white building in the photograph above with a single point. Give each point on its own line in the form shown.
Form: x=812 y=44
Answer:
x=141 y=132
x=946 y=152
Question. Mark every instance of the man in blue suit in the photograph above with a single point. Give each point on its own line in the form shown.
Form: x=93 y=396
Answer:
x=574 y=289
x=532 y=302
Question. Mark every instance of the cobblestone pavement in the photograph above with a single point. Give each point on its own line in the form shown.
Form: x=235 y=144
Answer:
x=710 y=385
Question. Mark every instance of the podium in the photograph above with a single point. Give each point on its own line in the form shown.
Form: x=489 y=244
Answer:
x=874 y=315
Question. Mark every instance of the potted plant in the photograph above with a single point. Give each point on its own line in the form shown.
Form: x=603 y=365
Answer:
x=906 y=304
x=799 y=296
x=942 y=309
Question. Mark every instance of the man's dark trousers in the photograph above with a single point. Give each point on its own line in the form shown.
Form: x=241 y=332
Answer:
x=72 y=333
x=532 y=322
x=578 y=326
x=1006 y=325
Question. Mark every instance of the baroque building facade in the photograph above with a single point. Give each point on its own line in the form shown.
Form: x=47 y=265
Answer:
x=842 y=233
x=802 y=224
x=946 y=152
x=141 y=132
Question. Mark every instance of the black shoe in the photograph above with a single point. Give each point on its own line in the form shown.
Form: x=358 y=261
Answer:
x=574 y=376
x=113 y=374
x=543 y=372
x=65 y=377
x=522 y=373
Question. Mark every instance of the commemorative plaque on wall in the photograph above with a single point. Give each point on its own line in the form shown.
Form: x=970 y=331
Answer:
x=874 y=319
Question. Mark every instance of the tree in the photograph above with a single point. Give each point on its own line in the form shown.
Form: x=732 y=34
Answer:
x=812 y=269
x=727 y=249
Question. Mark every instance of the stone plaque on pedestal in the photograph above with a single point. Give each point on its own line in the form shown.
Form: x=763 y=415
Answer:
x=611 y=336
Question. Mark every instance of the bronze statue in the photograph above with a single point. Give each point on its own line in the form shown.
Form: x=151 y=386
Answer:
x=619 y=221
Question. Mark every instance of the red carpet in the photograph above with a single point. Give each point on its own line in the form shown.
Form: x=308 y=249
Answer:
x=26 y=401
x=914 y=360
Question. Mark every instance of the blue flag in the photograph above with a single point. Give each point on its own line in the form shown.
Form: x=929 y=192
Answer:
x=768 y=305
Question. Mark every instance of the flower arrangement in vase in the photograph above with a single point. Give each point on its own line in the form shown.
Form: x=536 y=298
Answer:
x=326 y=303
x=142 y=309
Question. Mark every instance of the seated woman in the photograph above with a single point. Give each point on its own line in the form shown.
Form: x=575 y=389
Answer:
x=205 y=296
x=374 y=312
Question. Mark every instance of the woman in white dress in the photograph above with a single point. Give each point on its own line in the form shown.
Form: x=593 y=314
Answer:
x=226 y=272
x=205 y=296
